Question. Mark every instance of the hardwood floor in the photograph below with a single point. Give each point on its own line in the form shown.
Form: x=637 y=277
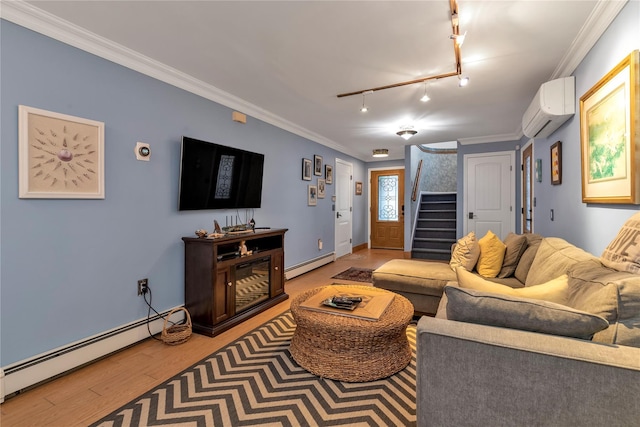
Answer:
x=86 y=395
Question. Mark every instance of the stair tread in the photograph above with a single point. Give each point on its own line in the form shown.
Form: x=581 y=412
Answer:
x=434 y=239
x=439 y=251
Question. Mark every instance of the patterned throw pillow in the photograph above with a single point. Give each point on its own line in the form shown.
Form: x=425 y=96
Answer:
x=623 y=253
x=491 y=255
x=466 y=253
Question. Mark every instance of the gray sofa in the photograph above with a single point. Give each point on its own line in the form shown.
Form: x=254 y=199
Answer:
x=471 y=374
x=423 y=282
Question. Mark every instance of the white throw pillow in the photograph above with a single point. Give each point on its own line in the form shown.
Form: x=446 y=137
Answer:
x=466 y=252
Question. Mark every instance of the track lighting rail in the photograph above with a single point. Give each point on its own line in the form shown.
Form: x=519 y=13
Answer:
x=453 y=4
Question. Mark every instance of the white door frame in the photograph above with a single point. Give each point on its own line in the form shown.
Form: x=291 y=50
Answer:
x=512 y=187
x=533 y=211
x=350 y=195
x=369 y=201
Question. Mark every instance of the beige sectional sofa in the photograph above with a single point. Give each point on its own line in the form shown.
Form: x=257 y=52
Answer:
x=475 y=366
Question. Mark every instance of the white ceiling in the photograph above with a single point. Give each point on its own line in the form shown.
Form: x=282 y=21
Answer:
x=286 y=61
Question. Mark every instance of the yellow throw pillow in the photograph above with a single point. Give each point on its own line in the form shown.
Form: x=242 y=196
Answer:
x=465 y=253
x=555 y=290
x=491 y=255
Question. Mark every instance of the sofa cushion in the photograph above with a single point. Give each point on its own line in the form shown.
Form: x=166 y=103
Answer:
x=623 y=253
x=465 y=253
x=468 y=305
x=555 y=290
x=612 y=294
x=491 y=255
x=515 y=247
x=413 y=276
x=554 y=257
x=533 y=243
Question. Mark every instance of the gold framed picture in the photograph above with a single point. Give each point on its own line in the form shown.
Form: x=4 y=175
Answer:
x=60 y=156
x=556 y=163
x=358 y=188
x=610 y=136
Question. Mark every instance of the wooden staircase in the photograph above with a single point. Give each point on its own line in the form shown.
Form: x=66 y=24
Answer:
x=435 y=226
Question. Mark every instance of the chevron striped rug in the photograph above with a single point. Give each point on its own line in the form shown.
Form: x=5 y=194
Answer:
x=255 y=382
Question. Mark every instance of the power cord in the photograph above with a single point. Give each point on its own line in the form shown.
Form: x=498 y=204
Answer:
x=144 y=295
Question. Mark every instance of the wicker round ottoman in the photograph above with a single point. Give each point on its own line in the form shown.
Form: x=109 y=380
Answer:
x=350 y=349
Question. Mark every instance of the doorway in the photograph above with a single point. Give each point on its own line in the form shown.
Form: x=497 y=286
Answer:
x=343 y=213
x=527 y=188
x=489 y=193
x=387 y=209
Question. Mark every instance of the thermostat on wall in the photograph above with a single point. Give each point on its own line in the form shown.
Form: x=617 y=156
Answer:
x=143 y=152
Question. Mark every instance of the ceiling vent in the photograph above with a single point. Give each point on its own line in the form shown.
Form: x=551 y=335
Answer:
x=553 y=105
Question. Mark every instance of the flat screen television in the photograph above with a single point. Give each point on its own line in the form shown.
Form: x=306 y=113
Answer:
x=214 y=176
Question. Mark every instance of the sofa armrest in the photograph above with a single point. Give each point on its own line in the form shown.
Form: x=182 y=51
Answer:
x=470 y=375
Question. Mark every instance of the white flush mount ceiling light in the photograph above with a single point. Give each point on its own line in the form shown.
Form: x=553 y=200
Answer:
x=380 y=152
x=406 y=133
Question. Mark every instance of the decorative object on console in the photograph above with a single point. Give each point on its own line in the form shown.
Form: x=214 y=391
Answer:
x=200 y=232
x=317 y=169
x=556 y=163
x=610 y=136
x=60 y=156
x=306 y=169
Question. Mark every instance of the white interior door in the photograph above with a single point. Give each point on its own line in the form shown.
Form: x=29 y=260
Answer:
x=343 y=214
x=489 y=193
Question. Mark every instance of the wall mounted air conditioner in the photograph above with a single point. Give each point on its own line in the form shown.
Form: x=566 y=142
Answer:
x=551 y=107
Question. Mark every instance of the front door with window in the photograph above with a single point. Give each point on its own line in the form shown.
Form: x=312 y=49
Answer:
x=387 y=209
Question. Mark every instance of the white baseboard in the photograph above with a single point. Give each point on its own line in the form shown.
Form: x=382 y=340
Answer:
x=25 y=373
x=305 y=267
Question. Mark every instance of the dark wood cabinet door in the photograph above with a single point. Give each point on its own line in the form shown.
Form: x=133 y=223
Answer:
x=222 y=295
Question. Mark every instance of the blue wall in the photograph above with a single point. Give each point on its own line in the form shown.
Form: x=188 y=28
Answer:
x=590 y=226
x=69 y=268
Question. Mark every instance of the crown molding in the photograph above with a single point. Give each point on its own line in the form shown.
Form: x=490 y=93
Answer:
x=604 y=12
x=490 y=138
x=38 y=20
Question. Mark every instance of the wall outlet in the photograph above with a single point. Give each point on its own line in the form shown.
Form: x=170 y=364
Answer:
x=319 y=244
x=143 y=286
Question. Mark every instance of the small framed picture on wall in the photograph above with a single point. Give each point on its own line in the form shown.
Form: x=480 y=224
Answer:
x=317 y=160
x=328 y=174
x=306 y=169
x=556 y=163
x=312 y=195
x=358 y=188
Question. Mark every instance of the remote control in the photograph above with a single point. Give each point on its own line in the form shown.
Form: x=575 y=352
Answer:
x=347 y=300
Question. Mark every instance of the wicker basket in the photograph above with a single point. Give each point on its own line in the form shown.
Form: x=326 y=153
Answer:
x=176 y=334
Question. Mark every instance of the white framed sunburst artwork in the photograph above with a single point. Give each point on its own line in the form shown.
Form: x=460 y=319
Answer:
x=60 y=156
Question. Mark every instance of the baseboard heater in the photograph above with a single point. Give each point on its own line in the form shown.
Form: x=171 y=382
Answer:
x=307 y=266
x=26 y=373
